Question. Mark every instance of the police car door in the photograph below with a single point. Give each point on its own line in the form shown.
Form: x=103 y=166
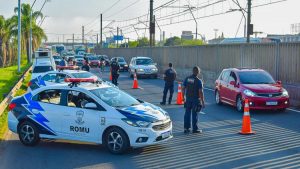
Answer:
x=47 y=111
x=81 y=117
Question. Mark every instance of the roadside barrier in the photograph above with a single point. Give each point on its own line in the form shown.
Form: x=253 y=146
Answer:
x=135 y=82
x=179 y=100
x=10 y=95
x=246 y=125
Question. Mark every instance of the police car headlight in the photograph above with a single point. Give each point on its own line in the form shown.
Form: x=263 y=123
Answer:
x=285 y=92
x=154 y=70
x=142 y=124
x=140 y=70
x=249 y=93
x=125 y=65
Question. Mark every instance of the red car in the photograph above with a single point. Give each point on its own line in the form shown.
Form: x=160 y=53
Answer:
x=94 y=61
x=235 y=85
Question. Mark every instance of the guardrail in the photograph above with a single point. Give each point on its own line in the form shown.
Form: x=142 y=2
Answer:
x=13 y=91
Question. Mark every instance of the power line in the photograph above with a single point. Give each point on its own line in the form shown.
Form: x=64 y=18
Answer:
x=118 y=12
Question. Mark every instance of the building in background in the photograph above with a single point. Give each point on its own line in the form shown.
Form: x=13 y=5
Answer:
x=187 y=35
x=286 y=37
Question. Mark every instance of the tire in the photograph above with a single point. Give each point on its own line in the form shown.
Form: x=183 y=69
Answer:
x=217 y=98
x=239 y=104
x=28 y=134
x=116 y=141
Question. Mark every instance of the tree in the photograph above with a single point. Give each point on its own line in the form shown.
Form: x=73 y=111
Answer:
x=37 y=32
x=193 y=42
x=133 y=44
x=143 y=42
x=173 y=41
x=5 y=39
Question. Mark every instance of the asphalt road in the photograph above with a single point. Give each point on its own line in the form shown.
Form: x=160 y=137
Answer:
x=276 y=143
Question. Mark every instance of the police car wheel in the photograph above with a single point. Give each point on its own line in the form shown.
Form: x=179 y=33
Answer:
x=28 y=134
x=217 y=98
x=116 y=141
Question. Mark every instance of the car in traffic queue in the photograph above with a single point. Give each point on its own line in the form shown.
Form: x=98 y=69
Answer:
x=105 y=58
x=94 y=61
x=59 y=76
x=94 y=112
x=234 y=85
x=143 y=67
x=79 y=60
x=122 y=63
x=41 y=66
x=57 y=59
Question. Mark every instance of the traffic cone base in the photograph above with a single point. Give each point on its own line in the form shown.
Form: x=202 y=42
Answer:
x=246 y=125
x=135 y=82
x=110 y=76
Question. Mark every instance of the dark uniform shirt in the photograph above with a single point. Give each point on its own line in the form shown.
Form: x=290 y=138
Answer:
x=192 y=85
x=115 y=67
x=170 y=76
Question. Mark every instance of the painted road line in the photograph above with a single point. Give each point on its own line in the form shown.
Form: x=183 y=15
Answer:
x=201 y=112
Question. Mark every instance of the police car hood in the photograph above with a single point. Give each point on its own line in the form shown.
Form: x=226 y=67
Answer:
x=145 y=112
x=145 y=66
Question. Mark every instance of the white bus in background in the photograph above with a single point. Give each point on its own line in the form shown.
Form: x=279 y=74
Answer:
x=58 y=48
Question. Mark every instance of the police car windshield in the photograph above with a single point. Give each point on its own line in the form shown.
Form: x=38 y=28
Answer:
x=256 y=77
x=42 y=69
x=115 y=97
x=144 y=62
x=83 y=75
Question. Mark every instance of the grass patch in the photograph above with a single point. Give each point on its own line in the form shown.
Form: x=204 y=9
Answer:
x=8 y=77
x=21 y=91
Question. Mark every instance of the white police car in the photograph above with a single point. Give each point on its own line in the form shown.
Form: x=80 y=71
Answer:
x=57 y=77
x=96 y=113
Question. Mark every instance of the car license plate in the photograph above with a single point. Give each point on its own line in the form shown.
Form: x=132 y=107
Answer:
x=271 y=103
x=166 y=134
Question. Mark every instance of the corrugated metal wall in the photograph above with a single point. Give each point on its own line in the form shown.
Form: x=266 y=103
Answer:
x=281 y=60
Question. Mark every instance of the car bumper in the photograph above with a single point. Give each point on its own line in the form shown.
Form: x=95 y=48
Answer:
x=263 y=103
x=123 y=68
x=153 y=137
x=12 y=122
x=144 y=74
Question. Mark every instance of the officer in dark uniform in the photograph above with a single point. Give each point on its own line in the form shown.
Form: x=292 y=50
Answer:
x=169 y=77
x=115 y=67
x=194 y=100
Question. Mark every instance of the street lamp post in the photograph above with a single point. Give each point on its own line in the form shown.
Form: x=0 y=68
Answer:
x=19 y=35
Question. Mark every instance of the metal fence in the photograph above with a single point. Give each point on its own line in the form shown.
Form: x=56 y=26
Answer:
x=281 y=60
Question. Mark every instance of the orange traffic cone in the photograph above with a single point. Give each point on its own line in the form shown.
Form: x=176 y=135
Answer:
x=246 y=126
x=135 y=82
x=110 y=76
x=179 y=100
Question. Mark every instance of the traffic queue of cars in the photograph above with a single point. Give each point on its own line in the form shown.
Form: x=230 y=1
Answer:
x=76 y=105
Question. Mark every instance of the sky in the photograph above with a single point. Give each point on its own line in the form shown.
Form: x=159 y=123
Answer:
x=65 y=17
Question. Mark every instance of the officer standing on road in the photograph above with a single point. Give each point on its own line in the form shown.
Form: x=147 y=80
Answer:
x=193 y=92
x=115 y=67
x=62 y=62
x=169 y=77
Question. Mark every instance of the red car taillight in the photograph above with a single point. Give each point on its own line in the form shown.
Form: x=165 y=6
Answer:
x=29 y=84
x=12 y=106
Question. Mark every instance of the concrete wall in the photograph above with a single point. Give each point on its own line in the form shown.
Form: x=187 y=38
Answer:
x=282 y=60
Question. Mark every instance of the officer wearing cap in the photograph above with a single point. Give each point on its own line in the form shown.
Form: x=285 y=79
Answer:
x=115 y=67
x=194 y=100
x=169 y=77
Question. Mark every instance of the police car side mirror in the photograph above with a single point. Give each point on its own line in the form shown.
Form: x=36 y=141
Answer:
x=90 y=106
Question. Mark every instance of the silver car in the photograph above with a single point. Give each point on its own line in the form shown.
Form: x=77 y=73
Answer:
x=143 y=66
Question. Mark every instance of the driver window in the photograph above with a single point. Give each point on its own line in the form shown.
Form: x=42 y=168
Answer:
x=78 y=99
x=49 y=96
x=232 y=77
x=60 y=78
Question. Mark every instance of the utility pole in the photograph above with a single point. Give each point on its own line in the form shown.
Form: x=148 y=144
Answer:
x=152 y=25
x=97 y=39
x=100 y=31
x=194 y=20
x=19 y=36
x=82 y=34
x=249 y=25
x=73 y=41
x=30 y=37
x=117 y=37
